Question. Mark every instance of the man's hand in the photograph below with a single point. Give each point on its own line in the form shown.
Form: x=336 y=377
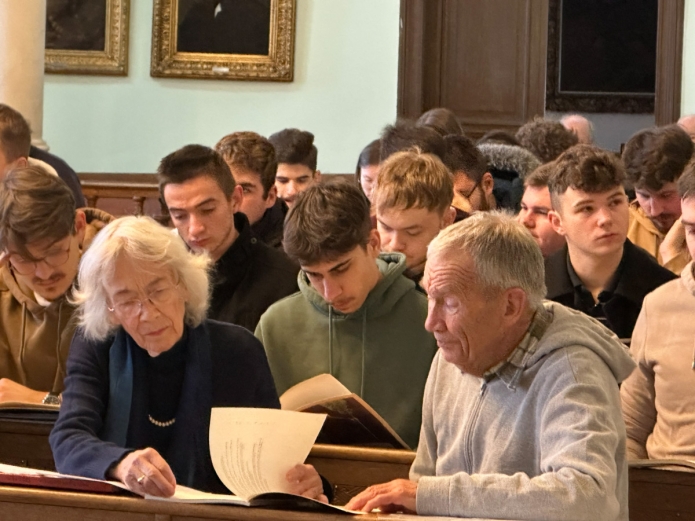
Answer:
x=11 y=391
x=4 y=258
x=395 y=496
x=305 y=481
x=145 y=472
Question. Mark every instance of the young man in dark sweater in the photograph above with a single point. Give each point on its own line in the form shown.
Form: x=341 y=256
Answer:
x=204 y=203
x=599 y=272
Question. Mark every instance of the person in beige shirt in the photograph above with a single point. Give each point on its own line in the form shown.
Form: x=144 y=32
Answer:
x=654 y=160
x=657 y=399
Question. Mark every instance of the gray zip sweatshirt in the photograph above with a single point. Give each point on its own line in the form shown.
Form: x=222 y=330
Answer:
x=542 y=441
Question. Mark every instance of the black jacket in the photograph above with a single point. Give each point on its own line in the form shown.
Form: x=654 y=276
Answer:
x=269 y=228
x=640 y=275
x=248 y=278
x=65 y=172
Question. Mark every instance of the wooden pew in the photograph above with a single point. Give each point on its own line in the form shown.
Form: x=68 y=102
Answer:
x=662 y=495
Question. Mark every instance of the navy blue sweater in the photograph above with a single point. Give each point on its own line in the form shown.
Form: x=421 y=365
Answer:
x=239 y=376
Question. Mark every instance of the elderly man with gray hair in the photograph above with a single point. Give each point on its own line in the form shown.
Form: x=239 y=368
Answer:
x=521 y=414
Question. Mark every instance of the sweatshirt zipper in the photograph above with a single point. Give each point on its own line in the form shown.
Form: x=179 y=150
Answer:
x=468 y=435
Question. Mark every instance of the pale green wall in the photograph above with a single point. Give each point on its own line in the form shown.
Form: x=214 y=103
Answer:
x=344 y=91
x=688 y=78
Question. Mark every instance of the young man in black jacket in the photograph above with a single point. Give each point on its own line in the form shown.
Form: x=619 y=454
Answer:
x=599 y=272
x=204 y=203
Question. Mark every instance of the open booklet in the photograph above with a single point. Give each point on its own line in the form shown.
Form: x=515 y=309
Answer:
x=350 y=420
x=667 y=464
x=252 y=450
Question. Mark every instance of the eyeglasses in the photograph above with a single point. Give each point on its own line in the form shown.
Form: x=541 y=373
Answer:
x=27 y=267
x=132 y=308
x=470 y=192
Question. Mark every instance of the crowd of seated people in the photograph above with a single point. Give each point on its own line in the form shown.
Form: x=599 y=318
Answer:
x=478 y=296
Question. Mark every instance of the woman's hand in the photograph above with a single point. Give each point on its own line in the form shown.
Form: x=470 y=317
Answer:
x=305 y=481
x=145 y=472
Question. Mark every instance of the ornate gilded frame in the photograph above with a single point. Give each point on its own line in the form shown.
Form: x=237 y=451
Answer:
x=277 y=65
x=112 y=61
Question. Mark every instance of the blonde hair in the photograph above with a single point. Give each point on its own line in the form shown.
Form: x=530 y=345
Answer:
x=412 y=179
x=504 y=253
x=142 y=240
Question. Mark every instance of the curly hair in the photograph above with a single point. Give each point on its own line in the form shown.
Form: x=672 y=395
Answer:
x=250 y=151
x=545 y=138
x=656 y=156
x=587 y=168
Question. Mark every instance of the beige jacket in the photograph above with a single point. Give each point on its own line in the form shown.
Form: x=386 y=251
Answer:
x=643 y=233
x=34 y=340
x=657 y=399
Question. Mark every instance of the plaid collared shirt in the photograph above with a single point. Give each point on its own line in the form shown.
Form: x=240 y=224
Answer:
x=510 y=369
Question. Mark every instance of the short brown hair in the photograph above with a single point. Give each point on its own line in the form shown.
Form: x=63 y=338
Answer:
x=15 y=134
x=545 y=138
x=34 y=206
x=540 y=177
x=194 y=161
x=405 y=135
x=587 y=168
x=462 y=156
x=656 y=156
x=295 y=147
x=327 y=220
x=686 y=182
x=412 y=179
x=442 y=120
x=252 y=152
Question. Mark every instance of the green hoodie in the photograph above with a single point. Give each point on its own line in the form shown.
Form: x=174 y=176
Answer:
x=381 y=352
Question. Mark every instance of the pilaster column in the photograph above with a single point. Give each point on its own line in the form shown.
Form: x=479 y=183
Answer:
x=22 y=44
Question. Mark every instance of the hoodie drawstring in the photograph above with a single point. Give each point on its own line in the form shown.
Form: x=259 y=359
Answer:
x=330 y=340
x=364 y=342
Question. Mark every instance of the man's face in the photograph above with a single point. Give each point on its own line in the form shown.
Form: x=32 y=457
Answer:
x=253 y=204
x=593 y=224
x=291 y=180
x=688 y=220
x=409 y=232
x=535 y=206
x=471 y=197
x=460 y=314
x=54 y=263
x=662 y=207
x=202 y=214
x=345 y=282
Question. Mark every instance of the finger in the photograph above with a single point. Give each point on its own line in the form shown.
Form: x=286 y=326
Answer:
x=359 y=500
x=164 y=469
x=389 y=500
x=322 y=498
x=155 y=483
x=313 y=492
x=298 y=472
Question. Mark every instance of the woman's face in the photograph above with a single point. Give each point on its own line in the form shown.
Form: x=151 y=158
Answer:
x=146 y=300
x=368 y=178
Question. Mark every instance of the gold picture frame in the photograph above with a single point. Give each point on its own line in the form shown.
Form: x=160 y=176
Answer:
x=106 y=53
x=188 y=35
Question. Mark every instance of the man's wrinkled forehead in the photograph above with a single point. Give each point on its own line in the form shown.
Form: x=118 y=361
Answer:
x=448 y=273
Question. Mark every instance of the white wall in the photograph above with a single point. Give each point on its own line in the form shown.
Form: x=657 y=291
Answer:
x=344 y=91
x=688 y=77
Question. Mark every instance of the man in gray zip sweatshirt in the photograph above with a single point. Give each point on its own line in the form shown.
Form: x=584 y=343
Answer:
x=521 y=414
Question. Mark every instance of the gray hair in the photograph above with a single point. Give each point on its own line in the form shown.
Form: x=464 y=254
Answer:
x=504 y=253
x=143 y=240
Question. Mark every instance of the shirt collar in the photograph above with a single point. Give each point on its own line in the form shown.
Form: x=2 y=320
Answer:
x=510 y=369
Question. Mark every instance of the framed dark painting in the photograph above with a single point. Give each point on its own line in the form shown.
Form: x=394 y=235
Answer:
x=87 y=37
x=225 y=39
x=601 y=55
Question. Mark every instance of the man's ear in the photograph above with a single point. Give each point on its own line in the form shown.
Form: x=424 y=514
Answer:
x=515 y=304
x=317 y=176
x=374 y=243
x=555 y=219
x=80 y=226
x=448 y=217
x=487 y=183
x=237 y=198
x=272 y=197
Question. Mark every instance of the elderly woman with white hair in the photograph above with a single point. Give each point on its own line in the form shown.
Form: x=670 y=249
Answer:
x=146 y=367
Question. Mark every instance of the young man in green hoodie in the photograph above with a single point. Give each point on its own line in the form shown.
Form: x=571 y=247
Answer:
x=356 y=316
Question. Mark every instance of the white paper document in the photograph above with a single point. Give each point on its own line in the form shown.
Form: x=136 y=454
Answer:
x=252 y=449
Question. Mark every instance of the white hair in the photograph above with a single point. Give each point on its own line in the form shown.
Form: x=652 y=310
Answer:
x=142 y=240
x=504 y=253
x=567 y=118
